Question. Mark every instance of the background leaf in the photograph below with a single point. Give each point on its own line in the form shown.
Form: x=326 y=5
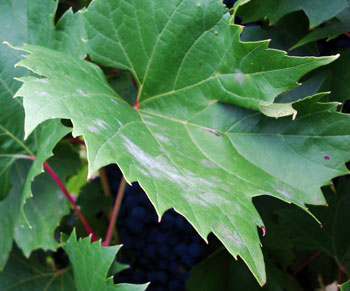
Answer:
x=47 y=196
x=276 y=9
x=34 y=274
x=221 y=272
x=28 y=22
x=334 y=237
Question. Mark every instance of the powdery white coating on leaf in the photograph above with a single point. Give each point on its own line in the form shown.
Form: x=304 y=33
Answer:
x=40 y=80
x=229 y=235
x=283 y=192
x=93 y=129
x=114 y=101
x=160 y=168
x=102 y=124
x=196 y=200
x=208 y=164
x=214 y=199
x=239 y=76
x=42 y=93
x=81 y=92
x=150 y=123
x=162 y=138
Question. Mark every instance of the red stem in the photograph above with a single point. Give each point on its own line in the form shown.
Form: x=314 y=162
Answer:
x=75 y=140
x=307 y=262
x=115 y=211
x=340 y=275
x=133 y=81
x=59 y=183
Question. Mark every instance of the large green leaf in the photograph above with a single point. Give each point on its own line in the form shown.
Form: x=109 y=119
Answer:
x=185 y=49
x=91 y=263
x=334 y=237
x=28 y=22
x=47 y=196
x=316 y=11
x=34 y=274
x=38 y=210
x=207 y=162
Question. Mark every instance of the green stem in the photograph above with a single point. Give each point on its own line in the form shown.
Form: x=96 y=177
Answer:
x=104 y=182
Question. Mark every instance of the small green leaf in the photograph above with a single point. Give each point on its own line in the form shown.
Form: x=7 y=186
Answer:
x=91 y=263
x=283 y=35
x=345 y=286
x=275 y=9
x=329 y=31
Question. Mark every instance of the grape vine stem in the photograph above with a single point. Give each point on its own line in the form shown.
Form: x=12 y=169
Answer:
x=115 y=211
x=307 y=262
x=59 y=183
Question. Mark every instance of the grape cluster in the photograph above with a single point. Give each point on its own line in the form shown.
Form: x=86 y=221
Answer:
x=161 y=253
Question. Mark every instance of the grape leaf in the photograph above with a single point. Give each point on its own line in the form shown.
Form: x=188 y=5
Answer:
x=276 y=9
x=283 y=35
x=219 y=271
x=334 y=78
x=345 y=286
x=329 y=31
x=189 y=49
x=91 y=263
x=9 y=209
x=34 y=274
x=202 y=165
x=47 y=196
x=334 y=237
x=27 y=22
x=338 y=78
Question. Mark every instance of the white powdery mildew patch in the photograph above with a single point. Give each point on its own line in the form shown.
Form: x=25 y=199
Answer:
x=159 y=167
x=193 y=199
x=150 y=123
x=93 y=129
x=284 y=193
x=238 y=76
x=41 y=81
x=229 y=235
x=82 y=93
x=216 y=179
x=118 y=121
x=102 y=124
x=42 y=93
x=114 y=101
x=208 y=164
x=215 y=199
x=162 y=138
